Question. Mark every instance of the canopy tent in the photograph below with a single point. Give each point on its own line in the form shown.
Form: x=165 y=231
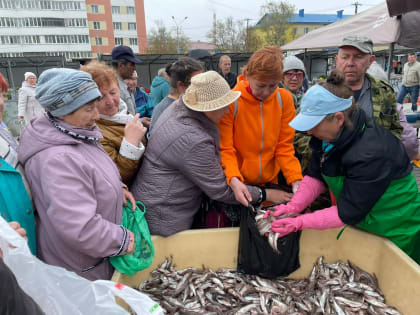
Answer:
x=374 y=23
x=397 y=7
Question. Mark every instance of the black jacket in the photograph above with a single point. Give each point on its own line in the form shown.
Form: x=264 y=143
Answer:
x=13 y=299
x=230 y=78
x=368 y=157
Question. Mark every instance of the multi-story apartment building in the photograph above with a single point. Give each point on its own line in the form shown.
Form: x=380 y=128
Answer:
x=75 y=29
x=116 y=22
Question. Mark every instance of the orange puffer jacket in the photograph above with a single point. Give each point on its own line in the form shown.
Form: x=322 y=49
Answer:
x=257 y=142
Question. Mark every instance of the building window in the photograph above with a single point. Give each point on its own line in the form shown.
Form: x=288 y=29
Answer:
x=131 y=10
x=96 y=25
x=306 y=30
x=94 y=8
x=119 y=41
x=115 y=10
x=98 y=41
x=133 y=41
x=117 y=25
x=132 y=26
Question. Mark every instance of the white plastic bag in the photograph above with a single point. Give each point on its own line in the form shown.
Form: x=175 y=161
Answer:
x=58 y=291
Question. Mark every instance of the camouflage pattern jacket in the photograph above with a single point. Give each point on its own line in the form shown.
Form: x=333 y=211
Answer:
x=384 y=105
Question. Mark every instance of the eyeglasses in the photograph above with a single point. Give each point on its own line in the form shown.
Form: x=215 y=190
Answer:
x=291 y=75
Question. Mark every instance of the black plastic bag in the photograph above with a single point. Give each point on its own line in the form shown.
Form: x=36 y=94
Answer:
x=256 y=257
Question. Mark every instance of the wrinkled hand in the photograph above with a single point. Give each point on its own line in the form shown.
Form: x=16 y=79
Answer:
x=134 y=131
x=277 y=196
x=286 y=226
x=146 y=121
x=240 y=190
x=128 y=196
x=131 y=245
x=295 y=185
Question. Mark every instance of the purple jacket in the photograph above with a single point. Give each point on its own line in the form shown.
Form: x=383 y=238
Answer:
x=77 y=191
x=409 y=136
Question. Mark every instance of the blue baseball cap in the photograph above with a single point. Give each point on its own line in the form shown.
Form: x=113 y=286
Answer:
x=316 y=104
x=125 y=53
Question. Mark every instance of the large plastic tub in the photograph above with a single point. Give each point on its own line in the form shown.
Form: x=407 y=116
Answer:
x=398 y=274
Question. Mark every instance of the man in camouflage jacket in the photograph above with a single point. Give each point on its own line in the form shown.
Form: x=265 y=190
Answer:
x=376 y=97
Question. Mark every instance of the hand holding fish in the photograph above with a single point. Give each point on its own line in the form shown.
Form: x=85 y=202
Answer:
x=240 y=190
x=319 y=220
x=309 y=189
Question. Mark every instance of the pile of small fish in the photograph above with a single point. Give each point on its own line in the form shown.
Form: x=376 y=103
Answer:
x=264 y=226
x=332 y=288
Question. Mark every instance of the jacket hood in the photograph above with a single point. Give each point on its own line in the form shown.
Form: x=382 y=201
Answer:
x=242 y=87
x=157 y=81
x=40 y=135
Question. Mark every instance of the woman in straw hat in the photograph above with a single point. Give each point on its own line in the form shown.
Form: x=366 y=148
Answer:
x=76 y=188
x=182 y=158
x=256 y=141
x=364 y=165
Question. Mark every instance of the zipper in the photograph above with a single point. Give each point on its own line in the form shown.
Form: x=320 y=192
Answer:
x=262 y=142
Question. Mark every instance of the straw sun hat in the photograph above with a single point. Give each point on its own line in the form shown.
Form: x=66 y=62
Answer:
x=209 y=92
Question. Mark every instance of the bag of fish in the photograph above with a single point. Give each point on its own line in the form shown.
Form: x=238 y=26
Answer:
x=265 y=256
x=145 y=252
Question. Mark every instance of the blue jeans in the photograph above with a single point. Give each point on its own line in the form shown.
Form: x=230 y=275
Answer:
x=414 y=94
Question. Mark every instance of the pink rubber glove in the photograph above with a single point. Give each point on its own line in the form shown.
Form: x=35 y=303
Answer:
x=319 y=220
x=309 y=189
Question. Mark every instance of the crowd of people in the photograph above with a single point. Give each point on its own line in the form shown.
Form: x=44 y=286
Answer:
x=94 y=141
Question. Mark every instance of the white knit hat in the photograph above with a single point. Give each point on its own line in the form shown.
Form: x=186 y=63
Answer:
x=293 y=63
x=29 y=74
x=209 y=92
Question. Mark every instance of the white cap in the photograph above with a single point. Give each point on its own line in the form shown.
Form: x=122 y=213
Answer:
x=29 y=74
x=293 y=63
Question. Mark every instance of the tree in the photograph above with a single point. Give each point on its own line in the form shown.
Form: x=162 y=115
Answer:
x=230 y=35
x=275 y=21
x=161 y=41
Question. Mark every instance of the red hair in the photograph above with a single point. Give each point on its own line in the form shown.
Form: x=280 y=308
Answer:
x=265 y=64
x=3 y=84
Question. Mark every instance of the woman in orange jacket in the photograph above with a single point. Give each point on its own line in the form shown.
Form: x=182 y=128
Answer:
x=256 y=141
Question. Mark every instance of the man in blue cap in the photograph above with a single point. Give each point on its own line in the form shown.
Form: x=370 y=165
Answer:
x=124 y=62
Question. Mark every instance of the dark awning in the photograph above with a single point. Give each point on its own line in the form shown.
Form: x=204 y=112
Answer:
x=398 y=7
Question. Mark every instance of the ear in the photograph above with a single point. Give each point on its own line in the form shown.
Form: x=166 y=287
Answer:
x=340 y=118
x=372 y=59
x=180 y=87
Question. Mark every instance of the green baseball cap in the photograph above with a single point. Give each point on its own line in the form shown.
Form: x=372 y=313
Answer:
x=363 y=43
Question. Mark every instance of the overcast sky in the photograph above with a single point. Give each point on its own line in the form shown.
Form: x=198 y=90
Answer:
x=200 y=12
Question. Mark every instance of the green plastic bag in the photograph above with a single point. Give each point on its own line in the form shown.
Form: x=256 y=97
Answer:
x=145 y=252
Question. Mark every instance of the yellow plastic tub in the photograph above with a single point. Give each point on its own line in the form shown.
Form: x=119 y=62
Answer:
x=398 y=274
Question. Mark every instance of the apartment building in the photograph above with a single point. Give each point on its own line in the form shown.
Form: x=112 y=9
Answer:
x=75 y=29
x=116 y=22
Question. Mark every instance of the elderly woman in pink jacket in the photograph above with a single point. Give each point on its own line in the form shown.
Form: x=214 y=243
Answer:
x=76 y=188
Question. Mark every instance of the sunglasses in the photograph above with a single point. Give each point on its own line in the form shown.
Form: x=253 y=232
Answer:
x=291 y=75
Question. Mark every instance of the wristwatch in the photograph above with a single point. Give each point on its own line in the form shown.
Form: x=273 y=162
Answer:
x=263 y=195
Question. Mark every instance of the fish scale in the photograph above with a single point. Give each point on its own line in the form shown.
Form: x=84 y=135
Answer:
x=331 y=288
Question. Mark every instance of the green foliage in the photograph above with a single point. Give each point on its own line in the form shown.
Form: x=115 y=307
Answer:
x=231 y=36
x=160 y=40
x=275 y=22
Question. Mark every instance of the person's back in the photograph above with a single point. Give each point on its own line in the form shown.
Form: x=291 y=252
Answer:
x=160 y=87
